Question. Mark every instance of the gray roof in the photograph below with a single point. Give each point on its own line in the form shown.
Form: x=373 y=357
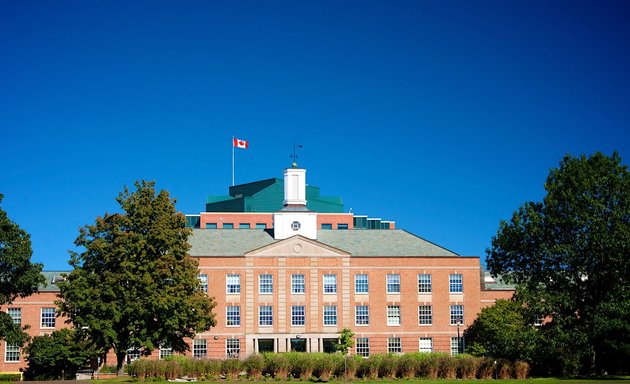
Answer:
x=51 y=279
x=396 y=242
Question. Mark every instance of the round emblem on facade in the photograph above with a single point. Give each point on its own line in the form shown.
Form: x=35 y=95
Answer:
x=297 y=248
x=295 y=225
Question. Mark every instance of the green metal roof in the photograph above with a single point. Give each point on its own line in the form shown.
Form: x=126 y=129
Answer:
x=375 y=243
x=268 y=196
x=51 y=279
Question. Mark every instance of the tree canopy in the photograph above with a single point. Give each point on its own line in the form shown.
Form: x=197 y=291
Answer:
x=134 y=285
x=569 y=257
x=19 y=277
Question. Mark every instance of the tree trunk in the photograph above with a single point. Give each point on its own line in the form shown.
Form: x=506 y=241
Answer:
x=120 y=360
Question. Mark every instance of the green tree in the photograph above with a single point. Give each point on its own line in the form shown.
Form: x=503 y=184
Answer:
x=19 y=277
x=134 y=285
x=502 y=331
x=58 y=355
x=569 y=256
x=346 y=341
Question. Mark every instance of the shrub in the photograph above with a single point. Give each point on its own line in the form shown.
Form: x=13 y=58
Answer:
x=466 y=366
x=347 y=366
x=521 y=370
x=387 y=366
x=10 y=377
x=255 y=365
x=325 y=365
x=504 y=369
x=407 y=366
x=368 y=368
x=448 y=368
x=485 y=369
x=428 y=365
x=231 y=368
x=276 y=365
x=211 y=369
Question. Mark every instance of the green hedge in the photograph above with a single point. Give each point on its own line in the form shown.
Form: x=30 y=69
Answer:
x=10 y=376
x=323 y=366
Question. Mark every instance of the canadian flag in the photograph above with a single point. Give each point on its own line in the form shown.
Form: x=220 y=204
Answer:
x=238 y=143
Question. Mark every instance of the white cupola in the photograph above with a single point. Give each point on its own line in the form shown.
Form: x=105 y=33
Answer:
x=294 y=187
x=294 y=218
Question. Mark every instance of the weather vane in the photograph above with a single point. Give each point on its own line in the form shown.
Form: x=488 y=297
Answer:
x=294 y=156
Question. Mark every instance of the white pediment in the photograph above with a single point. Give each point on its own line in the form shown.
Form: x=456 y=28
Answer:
x=298 y=246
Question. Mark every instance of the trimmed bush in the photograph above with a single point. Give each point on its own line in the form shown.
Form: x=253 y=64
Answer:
x=325 y=365
x=255 y=365
x=407 y=366
x=448 y=368
x=10 y=377
x=368 y=368
x=387 y=366
x=347 y=366
x=276 y=365
x=231 y=368
x=521 y=370
x=466 y=366
x=301 y=364
x=485 y=369
x=428 y=365
x=504 y=369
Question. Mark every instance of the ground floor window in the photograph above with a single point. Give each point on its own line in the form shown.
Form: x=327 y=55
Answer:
x=233 y=348
x=329 y=345
x=165 y=351
x=457 y=346
x=363 y=346
x=394 y=345
x=133 y=354
x=11 y=353
x=265 y=345
x=298 y=345
x=200 y=349
x=426 y=344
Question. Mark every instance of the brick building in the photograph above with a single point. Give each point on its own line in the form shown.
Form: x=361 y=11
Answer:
x=289 y=270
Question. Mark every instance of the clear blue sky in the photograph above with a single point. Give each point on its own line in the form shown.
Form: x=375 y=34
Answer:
x=444 y=116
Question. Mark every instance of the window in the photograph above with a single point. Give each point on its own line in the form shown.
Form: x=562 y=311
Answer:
x=360 y=283
x=363 y=346
x=265 y=315
x=16 y=315
x=393 y=283
x=232 y=348
x=233 y=284
x=455 y=284
x=457 y=314
x=244 y=226
x=200 y=349
x=297 y=315
x=203 y=280
x=361 y=315
x=233 y=316
x=394 y=345
x=11 y=353
x=133 y=354
x=457 y=345
x=424 y=283
x=48 y=318
x=330 y=315
x=342 y=226
x=265 y=283
x=393 y=315
x=165 y=351
x=228 y=225
x=297 y=283
x=425 y=315
x=326 y=226
x=426 y=344
x=261 y=226
x=211 y=225
x=330 y=283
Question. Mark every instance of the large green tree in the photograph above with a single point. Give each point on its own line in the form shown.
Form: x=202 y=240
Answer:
x=134 y=285
x=569 y=256
x=19 y=277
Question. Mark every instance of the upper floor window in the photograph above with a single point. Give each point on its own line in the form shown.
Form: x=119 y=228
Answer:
x=211 y=225
x=360 y=283
x=244 y=226
x=228 y=225
x=48 y=318
x=233 y=284
x=342 y=226
x=424 y=283
x=265 y=283
x=425 y=315
x=233 y=316
x=297 y=315
x=261 y=226
x=265 y=315
x=455 y=283
x=393 y=283
x=457 y=314
x=330 y=283
x=361 y=315
x=326 y=226
x=203 y=281
x=16 y=315
x=393 y=315
x=330 y=315
x=297 y=283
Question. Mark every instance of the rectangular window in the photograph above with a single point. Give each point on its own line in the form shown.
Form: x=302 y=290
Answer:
x=330 y=283
x=426 y=344
x=425 y=315
x=393 y=283
x=297 y=284
x=326 y=226
x=455 y=284
x=265 y=283
x=16 y=315
x=297 y=315
x=393 y=315
x=261 y=226
x=244 y=226
x=424 y=283
x=457 y=346
x=200 y=349
x=360 y=283
x=394 y=345
x=11 y=353
x=133 y=354
x=48 y=318
x=211 y=225
x=330 y=315
x=233 y=316
x=342 y=226
x=233 y=284
x=363 y=346
x=203 y=281
x=265 y=315
x=165 y=351
x=457 y=314
x=228 y=225
x=233 y=348
x=362 y=315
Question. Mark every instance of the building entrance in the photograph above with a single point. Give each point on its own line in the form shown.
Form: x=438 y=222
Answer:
x=265 y=345
x=298 y=345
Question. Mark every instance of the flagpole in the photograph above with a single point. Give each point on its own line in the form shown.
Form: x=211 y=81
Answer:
x=232 y=160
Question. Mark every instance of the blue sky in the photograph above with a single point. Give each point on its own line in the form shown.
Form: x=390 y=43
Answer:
x=443 y=116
